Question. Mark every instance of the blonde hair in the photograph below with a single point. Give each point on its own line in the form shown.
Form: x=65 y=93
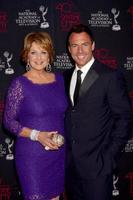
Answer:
x=41 y=38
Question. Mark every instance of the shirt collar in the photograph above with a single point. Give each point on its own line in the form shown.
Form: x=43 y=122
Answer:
x=86 y=67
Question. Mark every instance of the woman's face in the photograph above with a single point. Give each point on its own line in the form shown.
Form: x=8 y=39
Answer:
x=38 y=58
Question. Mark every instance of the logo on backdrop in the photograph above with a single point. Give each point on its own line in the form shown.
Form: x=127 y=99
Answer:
x=44 y=11
x=68 y=17
x=3 y=22
x=6 y=149
x=115 y=191
x=116 y=26
x=5 y=62
x=103 y=55
x=130 y=10
x=2 y=150
x=100 y=19
x=2 y=64
x=129 y=176
x=62 y=61
x=129 y=146
x=129 y=64
x=8 y=57
x=9 y=143
x=30 y=17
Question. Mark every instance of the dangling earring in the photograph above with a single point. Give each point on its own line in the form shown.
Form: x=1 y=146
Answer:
x=48 y=68
x=28 y=67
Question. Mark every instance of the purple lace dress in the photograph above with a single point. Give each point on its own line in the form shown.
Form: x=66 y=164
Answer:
x=41 y=107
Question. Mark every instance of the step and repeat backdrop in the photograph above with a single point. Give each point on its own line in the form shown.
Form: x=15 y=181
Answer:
x=112 y=24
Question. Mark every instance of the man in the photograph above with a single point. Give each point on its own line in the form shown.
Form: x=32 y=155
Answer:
x=98 y=121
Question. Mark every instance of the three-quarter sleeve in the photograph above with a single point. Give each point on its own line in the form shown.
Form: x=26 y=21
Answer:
x=13 y=104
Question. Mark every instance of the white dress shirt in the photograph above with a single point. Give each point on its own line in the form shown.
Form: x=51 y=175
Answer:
x=84 y=70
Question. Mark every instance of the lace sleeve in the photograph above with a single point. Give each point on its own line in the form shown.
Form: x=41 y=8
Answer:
x=12 y=106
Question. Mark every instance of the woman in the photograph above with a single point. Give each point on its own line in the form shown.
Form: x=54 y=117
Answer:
x=34 y=112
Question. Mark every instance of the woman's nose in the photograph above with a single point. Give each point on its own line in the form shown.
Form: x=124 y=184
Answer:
x=39 y=56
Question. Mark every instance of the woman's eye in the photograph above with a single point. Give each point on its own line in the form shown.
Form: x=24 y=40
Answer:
x=33 y=53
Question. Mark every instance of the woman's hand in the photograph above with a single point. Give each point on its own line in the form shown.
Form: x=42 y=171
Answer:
x=45 y=138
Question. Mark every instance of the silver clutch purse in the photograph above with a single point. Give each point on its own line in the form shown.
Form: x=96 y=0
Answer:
x=57 y=139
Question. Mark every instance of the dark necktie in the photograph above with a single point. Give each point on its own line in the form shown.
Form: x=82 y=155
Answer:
x=77 y=87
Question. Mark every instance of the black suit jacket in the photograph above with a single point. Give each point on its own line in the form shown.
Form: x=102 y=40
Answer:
x=98 y=126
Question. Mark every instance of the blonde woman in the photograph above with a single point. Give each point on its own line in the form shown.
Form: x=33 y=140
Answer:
x=34 y=112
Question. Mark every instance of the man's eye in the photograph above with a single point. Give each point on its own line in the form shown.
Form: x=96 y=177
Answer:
x=73 y=45
x=85 y=44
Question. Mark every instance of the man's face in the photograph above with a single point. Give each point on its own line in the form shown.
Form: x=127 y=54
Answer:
x=80 y=48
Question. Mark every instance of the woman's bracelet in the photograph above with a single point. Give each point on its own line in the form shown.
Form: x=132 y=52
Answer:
x=34 y=135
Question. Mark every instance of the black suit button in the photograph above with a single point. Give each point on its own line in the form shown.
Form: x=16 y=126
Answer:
x=73 y=141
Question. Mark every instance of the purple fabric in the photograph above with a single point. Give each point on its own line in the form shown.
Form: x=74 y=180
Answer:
x=41 y=107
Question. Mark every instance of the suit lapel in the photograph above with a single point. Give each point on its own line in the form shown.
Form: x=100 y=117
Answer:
x=89 y=80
